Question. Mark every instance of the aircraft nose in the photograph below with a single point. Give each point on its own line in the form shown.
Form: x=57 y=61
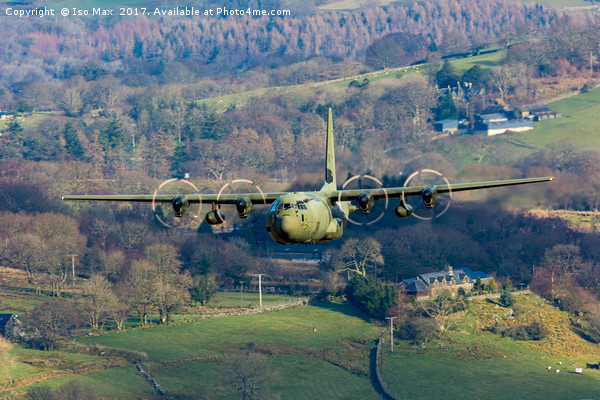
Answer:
x=289 y=224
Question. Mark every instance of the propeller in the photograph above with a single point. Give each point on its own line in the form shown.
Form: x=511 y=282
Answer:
x=430 y=204
x=243 y=205
x=371 y=211
x=179 y=213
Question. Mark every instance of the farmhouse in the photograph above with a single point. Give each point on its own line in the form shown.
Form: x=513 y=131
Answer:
x=535 y=112
x=428 y=285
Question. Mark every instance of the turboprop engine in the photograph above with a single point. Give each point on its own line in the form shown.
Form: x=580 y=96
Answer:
x=180 y=204
x=430 y=196
x=365 y=202
x=243 y=205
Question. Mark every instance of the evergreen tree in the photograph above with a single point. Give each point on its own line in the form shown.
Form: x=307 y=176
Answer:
x=14 y=128
x=112 y=136
x=211 y=126
x=204 y=288
x=446 y=108
x=370 y=295
x=474 y=75
x=178 y=159
x=506 y=298
x=73 y=145
x=447 y=75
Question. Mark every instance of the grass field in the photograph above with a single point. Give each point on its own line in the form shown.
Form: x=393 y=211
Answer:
x=577 y=123
x=187 y=359
x=477 y=364
x=342 y=334
x=498 y=378
x=248 y=299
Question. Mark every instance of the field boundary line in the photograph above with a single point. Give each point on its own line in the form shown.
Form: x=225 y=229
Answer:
x=378 y=358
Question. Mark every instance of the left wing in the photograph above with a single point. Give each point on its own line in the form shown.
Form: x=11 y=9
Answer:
x=366 y=197
x=381 y=193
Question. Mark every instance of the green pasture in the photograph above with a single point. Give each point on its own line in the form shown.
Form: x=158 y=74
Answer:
x=13 y=302
x=115 y=383
x=222 y=103
x=296 y=377
x=185 y=359
x=292 y=327
x=248 y=299
x=485 y=61
x=577 y=123
x=434 y=373
x=495 y=367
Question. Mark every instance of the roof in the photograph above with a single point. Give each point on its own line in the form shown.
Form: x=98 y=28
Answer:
x=421 y=282
x=447 y=122
x=536 y=108
x=496 y=110
x=515 y=123
x=414 y=285
x=493 y=117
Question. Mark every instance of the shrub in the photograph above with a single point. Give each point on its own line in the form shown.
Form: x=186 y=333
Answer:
x=42 y=392
x=506 y=298
x=371 y=296
x=418 y=330
x=533 y=331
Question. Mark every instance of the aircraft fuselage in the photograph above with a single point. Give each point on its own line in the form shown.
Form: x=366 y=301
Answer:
x=306 y=218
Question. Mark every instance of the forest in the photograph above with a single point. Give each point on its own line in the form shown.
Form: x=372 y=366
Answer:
x=122 y=105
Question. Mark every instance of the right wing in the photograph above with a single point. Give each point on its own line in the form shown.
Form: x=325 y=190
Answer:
x=226 y=198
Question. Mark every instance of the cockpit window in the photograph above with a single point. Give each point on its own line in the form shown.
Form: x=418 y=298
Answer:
x=287 y=206
x=275 y=205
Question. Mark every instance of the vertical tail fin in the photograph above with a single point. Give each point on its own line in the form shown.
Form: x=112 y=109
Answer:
x=330 y=181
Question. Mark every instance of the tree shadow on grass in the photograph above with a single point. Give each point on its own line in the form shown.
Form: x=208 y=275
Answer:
x=344 y=308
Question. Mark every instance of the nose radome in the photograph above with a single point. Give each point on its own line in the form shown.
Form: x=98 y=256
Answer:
x=289 y=224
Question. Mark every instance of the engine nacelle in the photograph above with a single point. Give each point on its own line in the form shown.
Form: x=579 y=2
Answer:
x=365 y=202
x=430 y=196
x=402 y=211
x=243 y=205
x=180 y=204
x=214 y=217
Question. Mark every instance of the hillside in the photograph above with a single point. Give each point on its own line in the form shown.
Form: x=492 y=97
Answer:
x=189 y=360
x=489 y=366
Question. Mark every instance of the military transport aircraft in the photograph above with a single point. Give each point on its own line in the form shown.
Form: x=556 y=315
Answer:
x=308 y=217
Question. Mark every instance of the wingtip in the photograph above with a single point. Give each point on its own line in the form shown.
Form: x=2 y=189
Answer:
x=552 y=178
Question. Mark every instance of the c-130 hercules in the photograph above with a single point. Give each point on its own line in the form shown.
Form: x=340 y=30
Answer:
x=309 y=217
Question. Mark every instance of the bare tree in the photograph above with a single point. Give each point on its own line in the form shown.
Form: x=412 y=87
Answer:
x=170 y=285
x=441 y=308
x=359 y=255
x=157 y=281
x=96 y=301
x=61 y=237
x=248 y=376
x=25 y=251
x=141 y=293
